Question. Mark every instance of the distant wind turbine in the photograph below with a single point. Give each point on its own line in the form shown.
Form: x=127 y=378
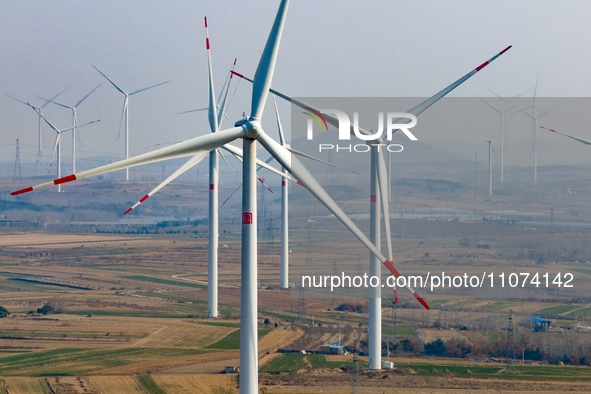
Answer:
x=125 y=111
x=39 y=160
x=56 y=147
x=74 y=120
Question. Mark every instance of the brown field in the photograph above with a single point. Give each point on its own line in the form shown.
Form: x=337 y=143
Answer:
x=133 y=305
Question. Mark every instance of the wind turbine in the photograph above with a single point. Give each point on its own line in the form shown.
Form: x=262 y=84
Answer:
x=125 y=111
x=503 y=128
x=379 y=189
x=39 y=160
x=56 y=148
x=74 y=120
x=581 y=140
x=491 y=150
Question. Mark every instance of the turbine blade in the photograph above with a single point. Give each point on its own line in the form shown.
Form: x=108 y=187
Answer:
x=81 y=125
x=490 y=105
x=46 y=121
x=149 y=87
x=55 y=146
x=222 y=112
x=319 y=160
x=54 y=97
x=228 y=164
x=238 y=153
x=121 y=118
x=231 y=194
x=264 y=73
x=206 y=143
x=47 y=101
x=112 y=83
x=212 y=114
x=85 y=97
x=494 y=152
x=432 y=100
x=192 y=110
x=23 y=102
x=584 y=141
x=184 y=168
x=298 y=170
x=282 y=140
x=383 y=186
x=264 y=184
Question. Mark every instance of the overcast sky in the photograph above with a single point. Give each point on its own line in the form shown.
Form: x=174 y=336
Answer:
x=329 y=48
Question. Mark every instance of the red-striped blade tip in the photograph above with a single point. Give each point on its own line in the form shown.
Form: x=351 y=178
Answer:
x=128 y=210
x=237 y=74
x=269 y=189
x=390 y=265
x=506 y=49
x=418 y=297
x=65 y=179
x=205 y=18
x=235 y=60
x=21 y=191
x=144 y=198
x=395 y=296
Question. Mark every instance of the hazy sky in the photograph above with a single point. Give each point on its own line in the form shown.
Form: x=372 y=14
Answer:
x=329 y=48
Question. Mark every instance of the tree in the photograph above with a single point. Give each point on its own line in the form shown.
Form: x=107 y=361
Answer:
x=435 y=348
x=3 y=312
x=266 y=321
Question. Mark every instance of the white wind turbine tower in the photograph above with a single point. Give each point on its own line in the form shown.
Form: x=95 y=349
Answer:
x=250 y=131
x=379 y=187
x=125 y=111
x=74 y=120
x=39 y=160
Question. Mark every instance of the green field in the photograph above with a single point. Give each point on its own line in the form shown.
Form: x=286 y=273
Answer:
x=558 y=309
x=285 y=363
x=74 y=361
x=584 y=312
x=232 y=340
x=148 y=384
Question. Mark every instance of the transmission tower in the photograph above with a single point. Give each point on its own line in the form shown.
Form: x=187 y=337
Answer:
x=510 y=356
x=301 y=306
x=39 y=163
x=17 y=175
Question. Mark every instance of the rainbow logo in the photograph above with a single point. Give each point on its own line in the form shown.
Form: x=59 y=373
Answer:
x=318 y=118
